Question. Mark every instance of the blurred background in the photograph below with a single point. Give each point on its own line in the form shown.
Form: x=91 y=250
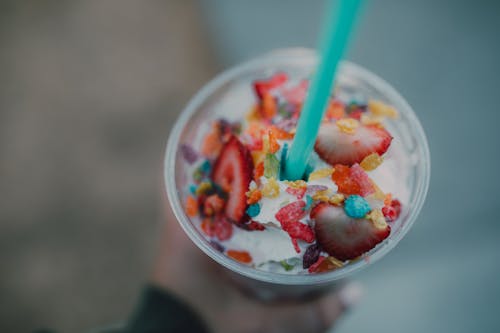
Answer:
x=90 y=89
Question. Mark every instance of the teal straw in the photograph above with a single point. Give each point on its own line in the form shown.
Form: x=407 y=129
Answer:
x=340 y=21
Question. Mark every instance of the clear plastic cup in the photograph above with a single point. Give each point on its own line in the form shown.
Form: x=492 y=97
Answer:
x=226 y=89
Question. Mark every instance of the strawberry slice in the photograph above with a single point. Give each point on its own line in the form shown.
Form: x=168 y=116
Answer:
x=343 y=237
x=264 y=86
x=232 y=171
x=337 y=147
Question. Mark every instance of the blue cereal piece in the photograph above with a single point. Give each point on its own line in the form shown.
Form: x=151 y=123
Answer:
x=356 y=207
x=192 y=189
x=205 y=167
x=253 y=210
x=309 y=202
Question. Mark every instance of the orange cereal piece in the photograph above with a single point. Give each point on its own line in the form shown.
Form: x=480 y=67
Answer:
x=254 y=196
x=388 y=199
x=269 y=107
x=335 y=110
x=241 y=256
x=258 y=171
x=329 y=264
x=274 y=146
x=191 y=206
x=208 y=227
x=213 y=204
x=212 y=143
x=280 y=134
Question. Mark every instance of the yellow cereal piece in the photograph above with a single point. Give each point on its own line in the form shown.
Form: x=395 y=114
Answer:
x=265 y=143
x=253 y=114
x=371 y=162
x=321 y=173
x=378 y=219
x=379 y=108
x=203 y=187
x=271 y=189
x=367 y=119
x=257 y=156
x=335 y=262
x=347 y=125
x=297 y=184
x=336 y=199
x=379 y=195
x=322 y=195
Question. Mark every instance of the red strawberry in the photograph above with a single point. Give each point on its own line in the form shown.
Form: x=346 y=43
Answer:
x=264 y=86
x=337 y=147
x=343 y=237
x=232 y=171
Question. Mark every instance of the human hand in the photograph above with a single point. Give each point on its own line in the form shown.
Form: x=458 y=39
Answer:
x=184 y=270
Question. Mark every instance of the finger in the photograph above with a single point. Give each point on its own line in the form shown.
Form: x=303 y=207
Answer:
x=332 y=306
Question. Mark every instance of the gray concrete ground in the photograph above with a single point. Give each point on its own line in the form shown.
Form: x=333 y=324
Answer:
x=88 y=92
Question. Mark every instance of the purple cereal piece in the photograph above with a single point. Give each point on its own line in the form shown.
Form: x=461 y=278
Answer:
x=217 y=246
x=189 y=154
x=311 y=255
x=311 y=189
x=287 y=125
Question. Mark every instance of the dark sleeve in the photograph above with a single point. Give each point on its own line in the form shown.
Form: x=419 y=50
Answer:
x=161 y=312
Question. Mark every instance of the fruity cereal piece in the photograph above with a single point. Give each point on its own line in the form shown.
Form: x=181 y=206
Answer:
x=336 y=199
x=320 y=173
x=356 y=206
x=271 y=189
x=280 y=134
x=296 y=95
x=253 y=210
x=269 y=107
x=371 y=162
x=291 y=212
x=241 y=256
x=188 y=153
x=191 y=206
x=262 y=87
x=392 y=211
x=271 y=166
x=259 y=171
x=314 y=267
x=223 y=228
x=299 y=230
x=335 y=110
x=328 y=264
x=208 y=227
x=379 y=108
x=254 y=226
x=347 y=125
x=213 y=205
x=353 y=180
x=273 y=143
x=212 y=143
x=298 y=192
x=253 y=196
